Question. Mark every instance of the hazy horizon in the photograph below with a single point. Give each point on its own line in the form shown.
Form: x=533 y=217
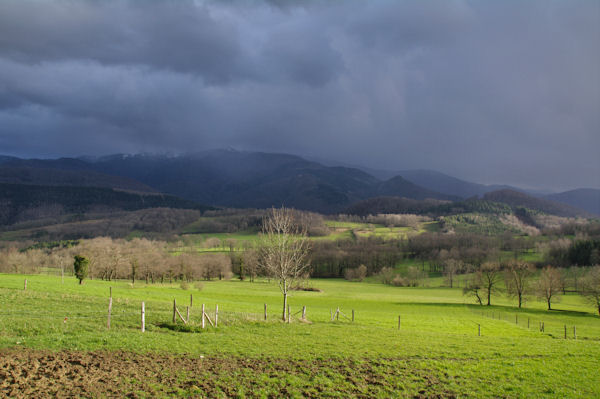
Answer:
x=489 y=92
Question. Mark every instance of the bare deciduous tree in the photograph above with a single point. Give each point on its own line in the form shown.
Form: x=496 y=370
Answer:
x=250 y=261
x=591 y=287
x=284 y=249
x=517 y=276
x=549 y=285
x=490 y=277
x=451 y=268
x=473 y=286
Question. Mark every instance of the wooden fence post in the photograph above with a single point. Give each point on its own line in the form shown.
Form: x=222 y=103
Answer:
x=216 y=315
x=565 y=331
x=574 y=332
x=304 y=312
x=174 y=311
x=337 y=314
x=398 y=322
x=352 y=315
x=109 y=312
x=203 y=316
x=289 y=318
x=479 y=330
x=143 y=317
x=528 y=323
x=516 y=319
x=25 y=285
x=265 y=312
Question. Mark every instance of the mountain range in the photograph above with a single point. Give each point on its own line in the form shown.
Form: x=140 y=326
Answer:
x=229 y=178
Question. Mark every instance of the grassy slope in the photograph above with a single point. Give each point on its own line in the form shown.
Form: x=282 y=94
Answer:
x=438 y=338
x=339 y=231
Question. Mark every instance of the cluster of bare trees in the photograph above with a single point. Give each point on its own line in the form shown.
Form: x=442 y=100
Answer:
x=109 y=259
x=519 y=280
x=452 y=255
x=13 y=260
x=333 y=258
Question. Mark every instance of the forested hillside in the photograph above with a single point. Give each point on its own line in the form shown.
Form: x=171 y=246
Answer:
x=20 y=202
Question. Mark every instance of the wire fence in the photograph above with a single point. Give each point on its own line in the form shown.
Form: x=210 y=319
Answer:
x=127 y=313
x=536 y=323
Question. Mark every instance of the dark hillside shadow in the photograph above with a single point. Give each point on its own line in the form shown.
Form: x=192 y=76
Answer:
x=504 y=309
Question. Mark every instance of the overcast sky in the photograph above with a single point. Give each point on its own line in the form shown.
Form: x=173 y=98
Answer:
x=490 y=91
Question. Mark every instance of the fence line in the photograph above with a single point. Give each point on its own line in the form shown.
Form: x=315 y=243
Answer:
x=543 y=325
x=122 y=312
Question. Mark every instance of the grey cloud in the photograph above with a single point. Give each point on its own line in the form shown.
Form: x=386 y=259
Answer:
x=497 y=92
x=176 y=35
x=302 y=56
x=405 y=25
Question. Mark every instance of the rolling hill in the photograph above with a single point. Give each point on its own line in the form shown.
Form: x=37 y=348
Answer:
x=517 y=199
x=587 y=199
x=242 y=179
x=221 y=178
x=64 y=177
x=446 y=184
x=401 y=185
x=23 y=202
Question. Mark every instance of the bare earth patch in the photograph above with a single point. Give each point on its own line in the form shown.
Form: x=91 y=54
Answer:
x=43 y=374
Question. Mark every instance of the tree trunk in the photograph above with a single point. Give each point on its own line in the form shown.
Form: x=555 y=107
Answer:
x=284 y=304
x=80 y=281
x=549 y=306
x=489 y=296
x=520 y=301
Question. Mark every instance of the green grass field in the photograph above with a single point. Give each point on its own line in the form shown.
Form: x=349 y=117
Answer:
x=437 y=350
x=338 y=231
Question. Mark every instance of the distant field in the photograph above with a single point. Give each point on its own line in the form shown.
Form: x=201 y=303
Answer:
x=339 y=231
x=436 y=352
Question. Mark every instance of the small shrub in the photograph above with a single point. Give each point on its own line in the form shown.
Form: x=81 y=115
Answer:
x=304 y=285
x=199 y=285
x=356 y=274
x=186 y=328
x=184 y=285
x=399 y=282
x=305 y=288
x=386 y=275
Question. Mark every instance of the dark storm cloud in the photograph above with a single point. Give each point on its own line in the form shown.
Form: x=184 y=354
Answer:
x=173 y=35
x=491 y=91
